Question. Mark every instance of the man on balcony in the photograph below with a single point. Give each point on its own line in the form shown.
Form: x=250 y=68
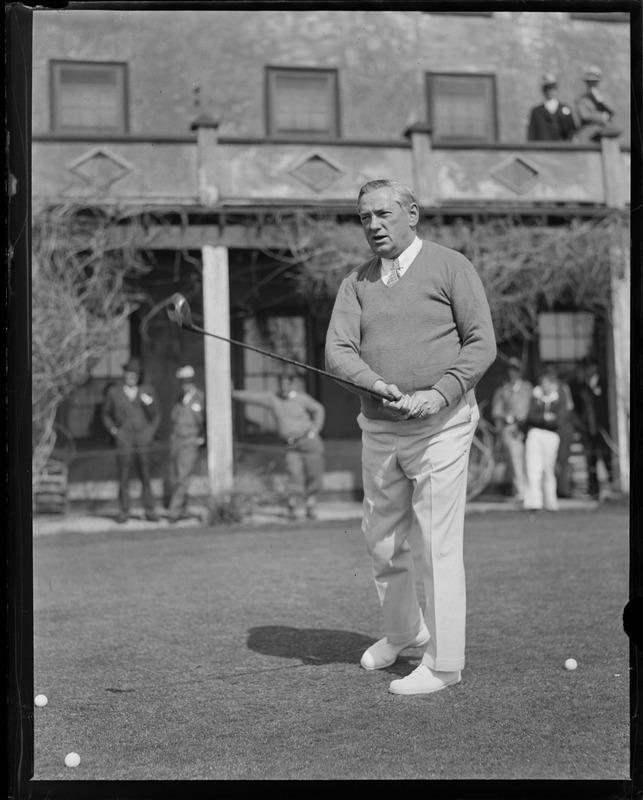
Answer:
x=594 y=110
x=551 y=121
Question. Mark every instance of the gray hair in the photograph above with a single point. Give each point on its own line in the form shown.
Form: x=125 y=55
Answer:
x=403 y=194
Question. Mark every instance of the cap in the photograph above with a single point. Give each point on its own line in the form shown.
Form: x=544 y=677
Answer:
x=185 y=373
x=592 y=73
x=133 y=365
x=549 y=79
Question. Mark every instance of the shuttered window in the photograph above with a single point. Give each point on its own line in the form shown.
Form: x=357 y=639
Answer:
x=302 y=103
x=89 y=97
x=462 y=108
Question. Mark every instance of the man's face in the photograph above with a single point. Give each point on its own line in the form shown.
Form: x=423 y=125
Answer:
x=130 y=377
x=388 y=227
x=285 y=386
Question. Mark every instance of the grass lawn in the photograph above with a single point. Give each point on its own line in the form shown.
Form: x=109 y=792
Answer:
x=232 y=653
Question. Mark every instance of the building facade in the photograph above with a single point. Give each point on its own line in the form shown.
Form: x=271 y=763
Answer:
x=218 y=125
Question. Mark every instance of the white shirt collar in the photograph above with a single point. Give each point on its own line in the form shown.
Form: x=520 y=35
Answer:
x=405 y=258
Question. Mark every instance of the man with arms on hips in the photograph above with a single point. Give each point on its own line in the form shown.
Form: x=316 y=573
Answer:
x=413 y=322
x=509 y=409
x=299 y=419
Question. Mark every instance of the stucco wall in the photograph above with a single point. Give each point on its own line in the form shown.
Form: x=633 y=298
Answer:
x=382 y=57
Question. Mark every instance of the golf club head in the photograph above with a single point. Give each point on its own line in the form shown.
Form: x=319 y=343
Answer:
x=178 y=310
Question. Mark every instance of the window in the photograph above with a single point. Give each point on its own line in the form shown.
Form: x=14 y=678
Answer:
x=609 y=16
x=461 y=13
x=565 y=336
x=88 y=97
x=285 y=336
x=462 y=108
x=302 y=103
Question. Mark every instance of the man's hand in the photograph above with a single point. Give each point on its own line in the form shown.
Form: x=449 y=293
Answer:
x=401 y=406
x=426 y=404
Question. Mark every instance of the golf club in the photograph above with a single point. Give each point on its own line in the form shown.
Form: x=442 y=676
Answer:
x=178 y=310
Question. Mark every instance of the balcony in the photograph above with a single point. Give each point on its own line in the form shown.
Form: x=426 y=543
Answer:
x=209 y=173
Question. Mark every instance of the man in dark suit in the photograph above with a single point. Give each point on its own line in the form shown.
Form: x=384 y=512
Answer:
x=551 y=121
x=132 y=415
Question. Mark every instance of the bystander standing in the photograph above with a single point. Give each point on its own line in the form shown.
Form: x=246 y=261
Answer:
x=187 y=436
x=131 y=413
x=299 y=419
x=509 y=409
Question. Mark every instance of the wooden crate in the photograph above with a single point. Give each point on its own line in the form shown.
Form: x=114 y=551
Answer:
x=50 y=489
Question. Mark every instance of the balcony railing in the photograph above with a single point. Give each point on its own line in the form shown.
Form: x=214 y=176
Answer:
x=209 y=172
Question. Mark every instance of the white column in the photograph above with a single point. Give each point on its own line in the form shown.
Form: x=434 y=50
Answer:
x=620 y=341
x=218 y=388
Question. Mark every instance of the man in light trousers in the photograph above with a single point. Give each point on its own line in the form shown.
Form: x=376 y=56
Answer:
x=413 y=323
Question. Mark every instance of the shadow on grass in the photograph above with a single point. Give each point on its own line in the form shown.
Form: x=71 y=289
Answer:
x=310 y=645
x=322 y=646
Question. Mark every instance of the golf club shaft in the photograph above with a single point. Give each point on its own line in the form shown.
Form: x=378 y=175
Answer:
x=196 y=329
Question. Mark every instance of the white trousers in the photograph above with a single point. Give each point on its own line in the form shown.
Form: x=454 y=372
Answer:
x=541 y=451
x=415 y=474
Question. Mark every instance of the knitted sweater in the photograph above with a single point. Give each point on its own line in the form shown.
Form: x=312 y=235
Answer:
x=430 y=330
x=295 y=416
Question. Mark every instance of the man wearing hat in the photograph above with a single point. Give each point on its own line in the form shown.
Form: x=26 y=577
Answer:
x=509 y=409
x=593 y=109
x=551 y=121
x=186 y=437
x=132 y=414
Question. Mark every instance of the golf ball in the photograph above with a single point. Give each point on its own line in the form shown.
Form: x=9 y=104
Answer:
x=571 y=663
x=72 y=760
x=41 y=700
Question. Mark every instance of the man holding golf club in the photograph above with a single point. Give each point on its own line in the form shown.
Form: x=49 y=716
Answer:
x=413 y=323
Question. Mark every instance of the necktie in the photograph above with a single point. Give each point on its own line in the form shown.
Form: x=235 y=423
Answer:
x=394 y=274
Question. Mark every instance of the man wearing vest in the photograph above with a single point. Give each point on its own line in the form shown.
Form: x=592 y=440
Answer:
x=413 y=322
x=132 y=414
x=187 y=435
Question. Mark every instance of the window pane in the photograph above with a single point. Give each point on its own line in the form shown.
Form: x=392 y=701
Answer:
x=89 y=98
x=462 y=107
x=284 y=336
x=565 y=336
x=302 y=103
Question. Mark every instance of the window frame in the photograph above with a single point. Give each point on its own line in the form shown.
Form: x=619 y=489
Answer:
x=597 y=16
x=334 y=128
x=429 y=79
x=121 y=70
x=554 y=334
x=460 y=13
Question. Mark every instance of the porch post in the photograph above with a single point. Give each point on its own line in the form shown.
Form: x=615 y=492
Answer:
x=619 y=362
x=615 y=192
x=207 y=132
x=618 y=345
x=426 y=185
x=218 y=388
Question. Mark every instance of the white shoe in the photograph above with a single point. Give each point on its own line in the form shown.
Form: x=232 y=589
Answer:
x=424 y=680
x=383 y=653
